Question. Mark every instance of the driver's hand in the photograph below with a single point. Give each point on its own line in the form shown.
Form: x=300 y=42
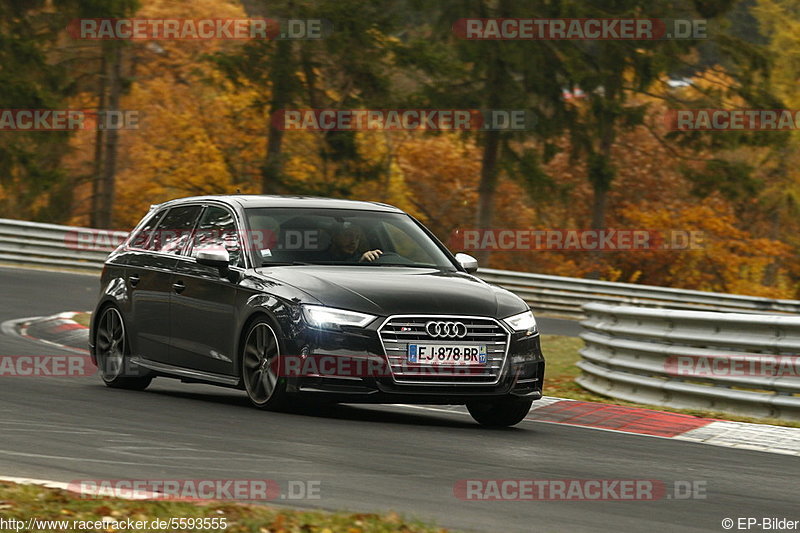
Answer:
x=371 y=255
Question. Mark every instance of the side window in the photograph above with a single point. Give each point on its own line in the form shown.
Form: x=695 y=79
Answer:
x=174 y=230
x=217 y=231
x=141 y=240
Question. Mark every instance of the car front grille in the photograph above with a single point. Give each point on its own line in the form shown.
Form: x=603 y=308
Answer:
x=400 y=331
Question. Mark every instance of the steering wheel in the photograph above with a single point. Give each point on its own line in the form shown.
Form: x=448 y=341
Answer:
x=390 y=257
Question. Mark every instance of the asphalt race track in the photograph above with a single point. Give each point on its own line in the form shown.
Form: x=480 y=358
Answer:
x=367 y=458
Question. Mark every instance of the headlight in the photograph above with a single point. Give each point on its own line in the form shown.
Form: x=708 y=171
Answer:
x=522 y=322
x=319 y=316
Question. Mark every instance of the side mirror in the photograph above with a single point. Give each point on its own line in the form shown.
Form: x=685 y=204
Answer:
x=469 y=263
x=214 y=258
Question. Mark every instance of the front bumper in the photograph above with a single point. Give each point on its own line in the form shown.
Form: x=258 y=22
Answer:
x=522 y=374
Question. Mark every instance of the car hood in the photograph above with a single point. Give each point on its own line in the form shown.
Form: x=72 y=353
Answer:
x=391 y=291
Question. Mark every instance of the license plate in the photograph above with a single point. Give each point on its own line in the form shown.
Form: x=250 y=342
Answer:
x=446 y=354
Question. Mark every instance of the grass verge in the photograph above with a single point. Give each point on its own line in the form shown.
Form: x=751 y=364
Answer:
x=22 y=502
x=83 y=319
x=561 y=354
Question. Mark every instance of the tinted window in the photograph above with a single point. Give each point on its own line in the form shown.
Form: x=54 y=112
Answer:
x=174 y=230
x=405 y=245
x=142 y=239
x=217 y=231
x=340 y=237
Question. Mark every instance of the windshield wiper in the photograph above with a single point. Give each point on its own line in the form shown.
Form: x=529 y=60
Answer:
x=283 y=263
x=408 y=265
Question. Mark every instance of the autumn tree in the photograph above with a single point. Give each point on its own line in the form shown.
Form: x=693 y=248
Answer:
x=349 y=67
x=197 y=134
x=110 y=85
x=779 y=23
x=33 y=184
x=492 y=75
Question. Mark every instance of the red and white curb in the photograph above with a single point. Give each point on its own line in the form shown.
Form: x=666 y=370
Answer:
x=74 y=488
x=59 y=330
x=761 y=437
x=648 y=422
x=40 y=482
x=658 y=424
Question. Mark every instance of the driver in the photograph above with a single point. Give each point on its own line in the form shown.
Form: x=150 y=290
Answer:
x=347 y=243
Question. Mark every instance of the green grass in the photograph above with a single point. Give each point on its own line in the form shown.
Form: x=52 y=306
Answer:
x=83 y=318
x=561 y=354
x=29 y=501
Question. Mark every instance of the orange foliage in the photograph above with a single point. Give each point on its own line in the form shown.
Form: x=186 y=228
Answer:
x=651 y=193
x=199 y=134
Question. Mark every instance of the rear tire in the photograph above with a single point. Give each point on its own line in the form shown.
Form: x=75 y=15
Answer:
x=113 y=353
x=503 y=412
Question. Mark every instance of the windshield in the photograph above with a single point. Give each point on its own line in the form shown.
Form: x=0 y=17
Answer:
x=280 y=236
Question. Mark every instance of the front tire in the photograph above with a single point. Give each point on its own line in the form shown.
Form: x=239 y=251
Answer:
x=503 y=412
x=260 y=367
x=113 y=353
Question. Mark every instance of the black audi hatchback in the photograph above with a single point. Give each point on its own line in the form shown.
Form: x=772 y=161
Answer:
x=338 y=300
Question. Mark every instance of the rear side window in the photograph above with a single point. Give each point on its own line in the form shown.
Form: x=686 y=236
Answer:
x=141 y=240
x=175 y=229
x=217 y=231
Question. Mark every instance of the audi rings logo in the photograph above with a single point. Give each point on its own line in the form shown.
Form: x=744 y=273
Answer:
x=452 y=330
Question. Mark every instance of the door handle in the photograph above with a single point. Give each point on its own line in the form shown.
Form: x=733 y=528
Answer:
x=134 y=280
x=178 y=286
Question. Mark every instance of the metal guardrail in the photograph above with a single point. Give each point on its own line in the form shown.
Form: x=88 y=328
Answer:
x=738 y=363
x=85 y=249
x=556 y=294
x=34 y=243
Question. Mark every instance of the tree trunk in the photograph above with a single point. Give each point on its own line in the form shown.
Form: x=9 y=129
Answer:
x=272 y=172
x=491 y=148
x=109 y=168
x=387 y=176
x=487 y=187
x=771 y=271
x=598 y=223
x=282 y=87
x=601 y=174
x=97 y=165
x=599 y=207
